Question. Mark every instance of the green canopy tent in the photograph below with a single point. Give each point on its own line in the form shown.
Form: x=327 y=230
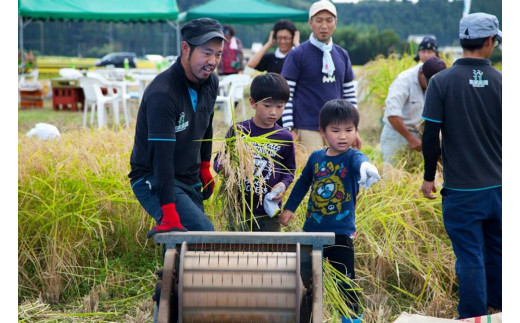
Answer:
x=244 y=12
x=112 y=10
x=98 y=10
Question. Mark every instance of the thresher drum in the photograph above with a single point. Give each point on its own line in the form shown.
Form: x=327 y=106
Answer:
x=241 y=276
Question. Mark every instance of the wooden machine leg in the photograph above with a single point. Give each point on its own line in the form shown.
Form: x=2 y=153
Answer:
x=317 y=286
x=167 y=285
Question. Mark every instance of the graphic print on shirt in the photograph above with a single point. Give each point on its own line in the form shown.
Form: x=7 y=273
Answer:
x=263 y=167
x=477 y=79
x=181 y=124
x=329 y=79
x=328 y=192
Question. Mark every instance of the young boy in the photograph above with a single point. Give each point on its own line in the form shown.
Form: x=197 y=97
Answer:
x=269 y=94
x=334 y=175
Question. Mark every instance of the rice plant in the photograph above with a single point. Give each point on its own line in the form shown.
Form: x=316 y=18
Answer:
x=79 y=224
x=376 y=77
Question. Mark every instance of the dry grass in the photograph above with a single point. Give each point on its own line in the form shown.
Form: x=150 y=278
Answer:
x=78 y=218
x=236 y=157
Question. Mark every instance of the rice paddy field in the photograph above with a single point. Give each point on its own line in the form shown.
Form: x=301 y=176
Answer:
x=82 y=248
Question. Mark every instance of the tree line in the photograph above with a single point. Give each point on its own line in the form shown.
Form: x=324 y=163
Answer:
x=366 y=29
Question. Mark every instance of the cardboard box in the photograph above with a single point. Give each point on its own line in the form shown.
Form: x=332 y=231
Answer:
x=416 y=318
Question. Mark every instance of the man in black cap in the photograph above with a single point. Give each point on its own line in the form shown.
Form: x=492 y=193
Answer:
x=464 y=103
x=427 y=48
x=431 y=66
x=403 y=108
x=170 y=159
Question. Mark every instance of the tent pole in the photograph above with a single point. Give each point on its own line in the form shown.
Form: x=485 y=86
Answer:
x=20 y=34
x=20 y=25
x=178 y=29
x=175 y=25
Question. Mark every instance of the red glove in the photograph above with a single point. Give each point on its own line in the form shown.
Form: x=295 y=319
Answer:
x=207 y=180
x=170 y=221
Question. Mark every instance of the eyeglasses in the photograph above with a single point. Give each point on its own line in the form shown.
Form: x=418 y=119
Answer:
x=497 y=41
x=283 y=38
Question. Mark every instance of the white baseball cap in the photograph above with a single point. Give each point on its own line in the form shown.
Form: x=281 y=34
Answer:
x=322 y=5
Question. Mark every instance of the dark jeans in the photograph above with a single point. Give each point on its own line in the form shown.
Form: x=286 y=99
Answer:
x=341 y=257
x=188 y=202
x=473 y=220
x=263 y=223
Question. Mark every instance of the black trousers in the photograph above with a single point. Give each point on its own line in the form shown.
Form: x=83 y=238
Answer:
x=341 y=257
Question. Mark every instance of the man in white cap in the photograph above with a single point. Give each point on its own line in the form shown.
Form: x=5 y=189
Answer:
x=464 y=102
x=317 y=71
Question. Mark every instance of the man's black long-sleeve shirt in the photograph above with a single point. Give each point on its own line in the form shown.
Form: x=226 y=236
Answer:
x=170 y=131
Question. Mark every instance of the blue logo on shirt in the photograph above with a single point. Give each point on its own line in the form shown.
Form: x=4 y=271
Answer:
x=477 y=79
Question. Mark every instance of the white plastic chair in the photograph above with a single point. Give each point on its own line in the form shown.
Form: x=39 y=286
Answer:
x=120 y=94
x=29 y=82
x=95 y=98
x=70 y=73
x=30 y=77
x=142 y=78
x=231 y=90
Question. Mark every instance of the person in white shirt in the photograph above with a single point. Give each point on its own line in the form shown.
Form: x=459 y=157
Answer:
x=404 y=107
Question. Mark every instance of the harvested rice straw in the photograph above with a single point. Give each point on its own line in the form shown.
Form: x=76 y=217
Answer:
x=237 y=161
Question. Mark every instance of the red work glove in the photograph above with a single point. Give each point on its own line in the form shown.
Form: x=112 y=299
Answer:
x=170 y=221
x=207 y=180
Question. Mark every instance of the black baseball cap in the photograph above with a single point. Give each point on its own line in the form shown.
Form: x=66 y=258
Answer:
x=427 y=43
x=199 y=31
x=432 y=66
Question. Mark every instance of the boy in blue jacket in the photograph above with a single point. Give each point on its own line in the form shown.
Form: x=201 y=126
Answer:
x=334 y=175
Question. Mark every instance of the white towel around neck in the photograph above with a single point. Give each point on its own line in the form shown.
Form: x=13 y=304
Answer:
x=328 y=64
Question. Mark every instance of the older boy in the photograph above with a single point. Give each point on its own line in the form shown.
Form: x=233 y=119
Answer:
x=269 y=94
x=334 y=175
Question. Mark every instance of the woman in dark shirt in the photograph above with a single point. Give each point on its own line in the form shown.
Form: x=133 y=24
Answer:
x=286 y=36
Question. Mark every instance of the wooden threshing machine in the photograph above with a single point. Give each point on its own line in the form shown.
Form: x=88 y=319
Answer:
x=242 y=277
